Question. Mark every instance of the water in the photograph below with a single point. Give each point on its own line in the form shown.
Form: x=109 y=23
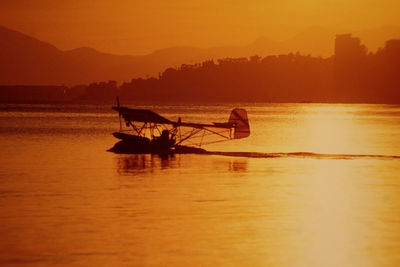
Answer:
x=314 y=185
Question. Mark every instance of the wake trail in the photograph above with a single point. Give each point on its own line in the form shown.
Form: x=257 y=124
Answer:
x=301 y=155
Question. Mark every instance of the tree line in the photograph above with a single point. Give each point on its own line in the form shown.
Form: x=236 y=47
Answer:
x=362 y=77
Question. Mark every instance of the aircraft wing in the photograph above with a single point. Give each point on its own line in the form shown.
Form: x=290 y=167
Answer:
x=141 y=115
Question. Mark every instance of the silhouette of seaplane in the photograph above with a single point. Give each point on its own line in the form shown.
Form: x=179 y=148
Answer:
x=149 y=132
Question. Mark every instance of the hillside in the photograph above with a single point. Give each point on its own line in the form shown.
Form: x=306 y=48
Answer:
x=28 y=61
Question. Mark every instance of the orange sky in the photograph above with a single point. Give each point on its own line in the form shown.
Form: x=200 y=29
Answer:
x=139 y=27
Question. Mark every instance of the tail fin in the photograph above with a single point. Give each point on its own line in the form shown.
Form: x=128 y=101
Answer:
x=241 y=123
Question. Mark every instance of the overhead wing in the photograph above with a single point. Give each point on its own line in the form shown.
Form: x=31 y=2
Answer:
x=141 y=115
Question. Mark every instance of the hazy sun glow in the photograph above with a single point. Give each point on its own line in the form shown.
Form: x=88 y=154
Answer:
x=332 y=131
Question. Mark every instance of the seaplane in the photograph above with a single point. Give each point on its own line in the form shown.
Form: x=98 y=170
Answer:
x=145 y=131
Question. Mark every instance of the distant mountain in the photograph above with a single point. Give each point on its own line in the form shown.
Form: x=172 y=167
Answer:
x=318 y=41
x=375 y=38
x=315 y=41
x=26 y=60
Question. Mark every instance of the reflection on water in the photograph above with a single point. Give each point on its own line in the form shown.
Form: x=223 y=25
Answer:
x=136 y=163
x=140 y=163
x=314 y=185
x=238 y=165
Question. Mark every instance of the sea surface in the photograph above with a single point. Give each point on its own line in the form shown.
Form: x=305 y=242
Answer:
x=313 y=185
